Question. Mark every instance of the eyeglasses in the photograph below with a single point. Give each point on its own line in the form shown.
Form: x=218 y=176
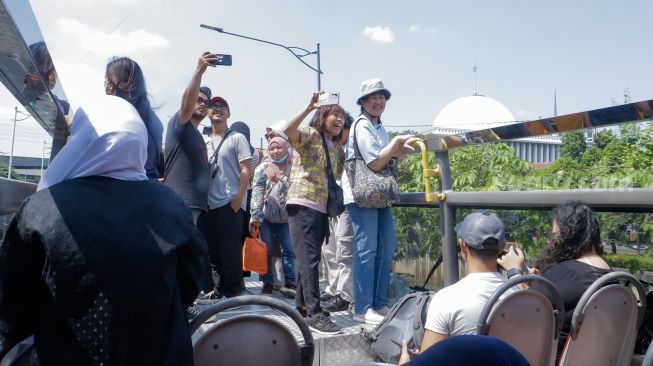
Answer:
x=219 y=107
x=202 y=101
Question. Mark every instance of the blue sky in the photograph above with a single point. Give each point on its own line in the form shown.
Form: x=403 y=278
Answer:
x=589 y=51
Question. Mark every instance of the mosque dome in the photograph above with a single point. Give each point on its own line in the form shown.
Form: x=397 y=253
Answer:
x=474 y=112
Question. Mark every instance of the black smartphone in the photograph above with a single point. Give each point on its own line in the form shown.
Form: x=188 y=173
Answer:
x=222 y=60
x=207 y=131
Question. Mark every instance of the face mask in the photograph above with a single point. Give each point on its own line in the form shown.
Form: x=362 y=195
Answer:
x=281 y=160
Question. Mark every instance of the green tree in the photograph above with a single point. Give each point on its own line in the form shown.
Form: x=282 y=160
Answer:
x=4 y=171
x=603 y=138
x=573 y=145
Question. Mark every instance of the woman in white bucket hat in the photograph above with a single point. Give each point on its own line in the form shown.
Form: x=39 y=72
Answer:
x=373 y=227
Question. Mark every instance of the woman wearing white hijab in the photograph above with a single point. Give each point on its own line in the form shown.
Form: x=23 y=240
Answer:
x=108 y=139
x=80 y=253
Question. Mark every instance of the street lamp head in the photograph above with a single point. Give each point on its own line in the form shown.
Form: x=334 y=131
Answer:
x=212 y=28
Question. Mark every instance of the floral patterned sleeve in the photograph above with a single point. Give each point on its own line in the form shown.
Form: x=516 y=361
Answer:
x=258 y=193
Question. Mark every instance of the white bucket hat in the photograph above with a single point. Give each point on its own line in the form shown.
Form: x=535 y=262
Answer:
x=372 y=86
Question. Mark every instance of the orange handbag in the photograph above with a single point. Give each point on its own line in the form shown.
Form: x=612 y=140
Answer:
x=255 y=254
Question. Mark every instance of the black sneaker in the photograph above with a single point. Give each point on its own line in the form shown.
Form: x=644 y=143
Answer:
x=301 y=311
x=209 y=298
x=323 y=324
x=267 y=289
x=289 y=291
x=336 y=304
x=192 y=312
x=325 y=297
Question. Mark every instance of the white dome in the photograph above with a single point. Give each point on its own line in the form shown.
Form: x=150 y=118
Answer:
x=475 y=112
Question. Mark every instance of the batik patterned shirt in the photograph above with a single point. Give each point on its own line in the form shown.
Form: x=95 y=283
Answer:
x=308 y=178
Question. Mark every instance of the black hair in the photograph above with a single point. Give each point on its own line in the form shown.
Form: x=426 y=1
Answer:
x=349 y=120
x=43 y=61
x=129 y=84
x=206 y=91
x=485 y=254
x=579 y=233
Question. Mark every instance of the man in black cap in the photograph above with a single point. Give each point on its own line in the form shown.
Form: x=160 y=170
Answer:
x=455 y=310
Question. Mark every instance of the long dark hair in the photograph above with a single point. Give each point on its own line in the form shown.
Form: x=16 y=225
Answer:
x=579 y=232
x=129 y=84
x=321 y=114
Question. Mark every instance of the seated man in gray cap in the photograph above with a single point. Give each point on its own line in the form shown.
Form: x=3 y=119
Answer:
x=455 y=310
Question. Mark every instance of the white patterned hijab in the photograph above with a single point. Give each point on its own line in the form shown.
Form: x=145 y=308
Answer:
x=108 y=139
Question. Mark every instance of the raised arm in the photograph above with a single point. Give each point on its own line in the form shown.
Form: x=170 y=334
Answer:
x=290 y=129
x=189 y=98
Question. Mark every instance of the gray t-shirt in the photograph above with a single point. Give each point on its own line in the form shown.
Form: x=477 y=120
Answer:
x=224 y=185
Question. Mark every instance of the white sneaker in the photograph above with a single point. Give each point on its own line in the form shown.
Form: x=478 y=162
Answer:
x=384 y=311
x=369 y=317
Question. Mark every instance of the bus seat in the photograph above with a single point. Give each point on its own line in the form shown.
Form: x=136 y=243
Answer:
x=525 y=319
x=251 y=339
x=605 y=322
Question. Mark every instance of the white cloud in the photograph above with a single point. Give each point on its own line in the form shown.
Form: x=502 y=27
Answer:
x=106 y=44
x=414 y=28
x=379 y=34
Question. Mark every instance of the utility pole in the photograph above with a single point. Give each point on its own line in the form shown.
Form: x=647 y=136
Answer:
x=42 y=158
x=13 y=138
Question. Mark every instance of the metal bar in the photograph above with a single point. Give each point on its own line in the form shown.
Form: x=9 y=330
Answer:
x=626 y=113
x=610 y=200
x=627 y=199
x=319 y=81
x=13 y=193
x=447 y=222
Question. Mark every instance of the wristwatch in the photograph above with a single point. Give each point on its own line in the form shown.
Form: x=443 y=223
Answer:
x=512 y=272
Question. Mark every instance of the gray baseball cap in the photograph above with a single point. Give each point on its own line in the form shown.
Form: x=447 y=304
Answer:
x=478 y=226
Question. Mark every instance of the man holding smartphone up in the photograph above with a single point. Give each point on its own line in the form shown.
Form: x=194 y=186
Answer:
x=186 y=163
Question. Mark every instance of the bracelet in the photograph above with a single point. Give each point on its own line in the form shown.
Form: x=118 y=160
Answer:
x=512 y=272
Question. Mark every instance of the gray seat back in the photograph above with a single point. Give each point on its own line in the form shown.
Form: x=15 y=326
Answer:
x=605 y=322
x=525 y=319
x=251 y=339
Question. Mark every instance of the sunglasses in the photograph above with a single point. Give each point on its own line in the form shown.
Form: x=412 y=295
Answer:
x=202 y=101
x=219 y=107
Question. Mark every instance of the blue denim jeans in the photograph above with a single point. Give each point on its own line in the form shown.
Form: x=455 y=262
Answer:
x=281 y=231
x=375 y=247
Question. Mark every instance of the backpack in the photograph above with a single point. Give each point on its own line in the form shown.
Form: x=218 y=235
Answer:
x=274 y=202
x=405 y=322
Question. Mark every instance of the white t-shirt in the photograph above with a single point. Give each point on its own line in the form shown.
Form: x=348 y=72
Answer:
x=455 y=310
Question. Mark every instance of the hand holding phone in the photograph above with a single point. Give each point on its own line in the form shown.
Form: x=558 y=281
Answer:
x=221 y=60
x=326 y=98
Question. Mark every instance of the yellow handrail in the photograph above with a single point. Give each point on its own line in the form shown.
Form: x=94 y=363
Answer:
x=427 y=172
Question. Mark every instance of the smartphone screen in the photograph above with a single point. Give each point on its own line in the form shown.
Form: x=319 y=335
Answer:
x=223 y=60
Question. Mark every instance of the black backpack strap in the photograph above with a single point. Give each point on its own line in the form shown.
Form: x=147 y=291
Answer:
x=330 y=176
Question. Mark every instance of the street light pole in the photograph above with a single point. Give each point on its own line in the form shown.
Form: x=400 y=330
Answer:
x=42 y=158
x=319 y=82
x=291 y=49
x=13 y=138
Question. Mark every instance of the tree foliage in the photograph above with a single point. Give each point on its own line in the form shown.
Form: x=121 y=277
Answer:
x=615 y=161
x=573 y=145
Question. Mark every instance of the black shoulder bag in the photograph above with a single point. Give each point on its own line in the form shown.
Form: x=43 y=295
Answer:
x=336 y=199
x=213 y=167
